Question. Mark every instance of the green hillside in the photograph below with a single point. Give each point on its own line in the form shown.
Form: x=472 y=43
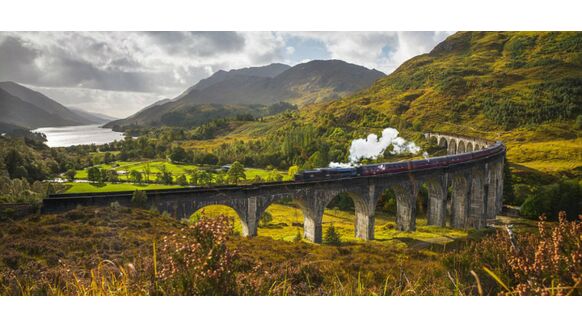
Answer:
x=520 y=87
x=491 y=81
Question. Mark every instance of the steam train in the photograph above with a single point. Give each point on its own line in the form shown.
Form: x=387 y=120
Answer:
x=398 y=167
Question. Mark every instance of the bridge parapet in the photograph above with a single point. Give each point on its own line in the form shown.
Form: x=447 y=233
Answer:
x=458 y=144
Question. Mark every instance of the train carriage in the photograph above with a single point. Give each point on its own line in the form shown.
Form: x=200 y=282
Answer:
x=398 y=167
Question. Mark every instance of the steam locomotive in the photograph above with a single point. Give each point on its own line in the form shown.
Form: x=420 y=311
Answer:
x=398 y=167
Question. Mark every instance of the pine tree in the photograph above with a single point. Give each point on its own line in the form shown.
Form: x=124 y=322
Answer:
x=298 y=236
x=332 y=237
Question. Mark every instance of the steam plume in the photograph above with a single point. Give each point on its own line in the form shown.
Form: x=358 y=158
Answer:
x=372 y=147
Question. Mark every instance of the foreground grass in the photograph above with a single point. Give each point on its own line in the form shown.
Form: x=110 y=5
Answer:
x=120 y=251
x=67 y=251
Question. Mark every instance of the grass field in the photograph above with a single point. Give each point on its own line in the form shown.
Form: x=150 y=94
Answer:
x=547 y=156
x=288 y=222
x=79 y=187
x=175 y=169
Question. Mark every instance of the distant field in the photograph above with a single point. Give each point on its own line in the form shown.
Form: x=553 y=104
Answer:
x=175 y=169
x=547 y=156
x=79 y=187
x=288 y=221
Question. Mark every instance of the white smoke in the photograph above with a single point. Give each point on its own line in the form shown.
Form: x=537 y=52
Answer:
x=341 y=165
x=372 y=147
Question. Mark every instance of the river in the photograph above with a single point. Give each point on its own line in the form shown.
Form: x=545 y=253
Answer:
x=79 y=135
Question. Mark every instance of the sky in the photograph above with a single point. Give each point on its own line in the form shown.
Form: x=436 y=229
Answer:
x=118 y=73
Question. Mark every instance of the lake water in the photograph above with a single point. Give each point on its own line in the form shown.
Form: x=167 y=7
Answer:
x=79 y=135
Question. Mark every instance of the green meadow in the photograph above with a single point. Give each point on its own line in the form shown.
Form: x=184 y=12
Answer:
x=175 y=169
x=80 y=187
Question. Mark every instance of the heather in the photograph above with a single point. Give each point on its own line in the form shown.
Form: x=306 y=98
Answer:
x=120 y=251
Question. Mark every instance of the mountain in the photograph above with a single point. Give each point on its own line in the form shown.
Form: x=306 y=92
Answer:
x=315 y=81
x=94 y=118
x=482 y=81
x=268 y=71
x=30 y=109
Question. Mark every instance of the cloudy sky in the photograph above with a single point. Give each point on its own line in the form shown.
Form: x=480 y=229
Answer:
x=118 y=73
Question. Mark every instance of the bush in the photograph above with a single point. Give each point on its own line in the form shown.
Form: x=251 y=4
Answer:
x=546 y=262
x=265 y=219
x=565 y=195
x=197 y=261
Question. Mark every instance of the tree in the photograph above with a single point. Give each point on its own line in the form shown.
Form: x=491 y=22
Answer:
x=292 y=171
x=236 y=172
x=193 y=173
x=112 y=176
x=274 y=175
x=94 y=174
x=139 y=198
x=204 y=178
x=104 y=175
x=20 y=172
x=164 y=177
x=136 y=176
x=178 y=155
x=220 y=178
x=182 y=180
x=147 y=171
x=70 y=174
x=13 y=160
x=107 y=158
x=315 y=161
x=332 y=236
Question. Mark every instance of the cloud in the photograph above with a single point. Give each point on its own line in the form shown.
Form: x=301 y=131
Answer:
x=130 y=68
x=384 y=51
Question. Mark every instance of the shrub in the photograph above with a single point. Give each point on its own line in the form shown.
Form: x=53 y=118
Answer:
x=546 y=262
x=565 y=195
x=197 y=261
x=265 y=219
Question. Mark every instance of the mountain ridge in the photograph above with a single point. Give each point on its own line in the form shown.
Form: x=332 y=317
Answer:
x=28 y=108
x=314 y=81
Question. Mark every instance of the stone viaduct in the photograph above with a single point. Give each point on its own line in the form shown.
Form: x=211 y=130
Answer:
x=462 y=195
